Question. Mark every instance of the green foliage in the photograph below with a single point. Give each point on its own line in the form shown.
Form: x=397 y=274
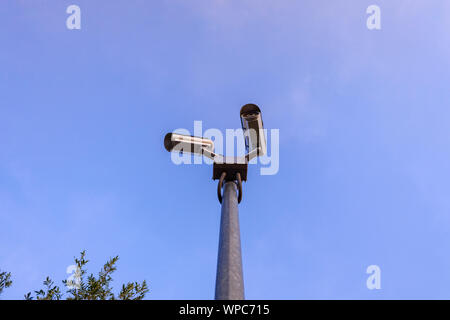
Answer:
x=5 y=280
x=133 y=291
x=91 y=287
x=52 y=292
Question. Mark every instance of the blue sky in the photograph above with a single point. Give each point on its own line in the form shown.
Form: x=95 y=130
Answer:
x=364 y=144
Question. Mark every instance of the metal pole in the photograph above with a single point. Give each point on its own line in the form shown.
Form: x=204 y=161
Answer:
x=229 y=279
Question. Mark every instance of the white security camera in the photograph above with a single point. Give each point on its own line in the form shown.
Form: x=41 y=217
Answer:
x=252 y=125
x=174 y=142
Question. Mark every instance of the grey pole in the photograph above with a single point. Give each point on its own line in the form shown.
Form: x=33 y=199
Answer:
x=229 y=279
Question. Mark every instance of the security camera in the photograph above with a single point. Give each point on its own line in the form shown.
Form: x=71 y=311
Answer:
x=255 y=140
x=174 y=142
x=252 y=125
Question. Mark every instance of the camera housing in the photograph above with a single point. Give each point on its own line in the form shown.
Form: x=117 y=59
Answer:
x=253 y=127
x=186 y=143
